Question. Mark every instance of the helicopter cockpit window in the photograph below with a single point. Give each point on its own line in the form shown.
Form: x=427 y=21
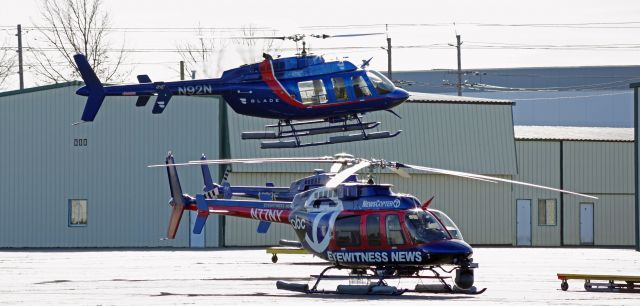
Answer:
x=339 y=89
x=312 y=92
x=424 y=227
x=348 y=231
x=380 y=82
x=451 y=226
x=360 y=87
x=394 y=230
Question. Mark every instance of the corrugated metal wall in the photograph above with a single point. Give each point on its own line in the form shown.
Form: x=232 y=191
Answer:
x=604 y=169
x=597 y=168
x=467 y=137
x=613 y=220
x=538 y=163
x=42 y=169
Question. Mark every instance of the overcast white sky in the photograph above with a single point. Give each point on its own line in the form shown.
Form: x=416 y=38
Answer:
x=290 y=17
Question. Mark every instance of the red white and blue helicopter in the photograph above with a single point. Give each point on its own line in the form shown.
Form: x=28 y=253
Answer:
x=306 y=94
x=358 y=225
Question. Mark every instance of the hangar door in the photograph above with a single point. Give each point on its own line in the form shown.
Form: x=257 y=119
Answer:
x=586 y=223
x=523 y=222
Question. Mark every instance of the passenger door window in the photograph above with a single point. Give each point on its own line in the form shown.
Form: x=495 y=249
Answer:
x=348 y=231
x=360 y=87
x=339 y=89
x=312 y=92
x=394 y=230
x=374 y=237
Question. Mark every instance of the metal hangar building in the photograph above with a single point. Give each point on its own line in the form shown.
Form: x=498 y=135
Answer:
x=88 y=185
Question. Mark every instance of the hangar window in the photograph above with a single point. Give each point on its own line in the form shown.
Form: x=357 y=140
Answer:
x=547 y=212
x=77 y=212
x=312 y=92
x=348 y=231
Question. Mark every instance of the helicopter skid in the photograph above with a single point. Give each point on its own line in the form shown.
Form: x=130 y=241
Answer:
x=293 y=143
x=291 y=132
x=376 y=285
x=309 y=131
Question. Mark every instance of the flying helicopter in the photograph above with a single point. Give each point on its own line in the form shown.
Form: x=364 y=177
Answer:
x=359 y=225
x=304 y=93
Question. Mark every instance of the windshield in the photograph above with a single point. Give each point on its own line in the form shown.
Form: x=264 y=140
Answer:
x=451 y=226
x=424 y=227
x=380 y=82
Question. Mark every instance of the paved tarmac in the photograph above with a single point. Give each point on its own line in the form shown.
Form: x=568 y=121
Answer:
x=513 y=276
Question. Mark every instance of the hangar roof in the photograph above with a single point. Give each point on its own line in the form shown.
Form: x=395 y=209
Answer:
x=40 y=88
x=422 y=97
x=576 y=133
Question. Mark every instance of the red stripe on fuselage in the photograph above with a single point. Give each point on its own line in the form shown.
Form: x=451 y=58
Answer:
x=269 y=77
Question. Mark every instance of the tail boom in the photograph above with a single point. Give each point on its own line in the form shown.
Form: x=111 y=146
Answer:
x=96 y=91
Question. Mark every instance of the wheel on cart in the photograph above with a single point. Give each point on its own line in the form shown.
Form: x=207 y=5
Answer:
x=274 y=258
x=564 y=285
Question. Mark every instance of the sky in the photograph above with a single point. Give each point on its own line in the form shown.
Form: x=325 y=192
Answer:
x=495 y=34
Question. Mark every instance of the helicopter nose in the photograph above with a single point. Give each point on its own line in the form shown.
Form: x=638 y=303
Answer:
x=398 y=96
x=453 y=248
x=83 y=91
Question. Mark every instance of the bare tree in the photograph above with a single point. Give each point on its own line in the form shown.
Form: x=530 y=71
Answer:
x=199 y=55
x=72 y=26
x=7 y=62
x=251 y=45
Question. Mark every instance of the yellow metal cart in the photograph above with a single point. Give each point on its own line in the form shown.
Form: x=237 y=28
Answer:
x=284 y=250
x=622 y=283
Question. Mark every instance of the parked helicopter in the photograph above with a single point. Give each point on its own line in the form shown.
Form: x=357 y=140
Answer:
x=306 y=94
x=358 y=225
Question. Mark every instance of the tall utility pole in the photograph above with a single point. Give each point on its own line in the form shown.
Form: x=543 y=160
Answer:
x=181 y=70
x=20 y=69
x=459 y=85
x=389 y=58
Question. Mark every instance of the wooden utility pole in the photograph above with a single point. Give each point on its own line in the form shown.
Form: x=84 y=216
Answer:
x=459 y=85
x=181 y=70
x=389 y=58
x=20 y=68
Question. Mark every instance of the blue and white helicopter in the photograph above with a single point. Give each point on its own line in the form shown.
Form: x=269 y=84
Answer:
x=306 y=94
x=359 y=225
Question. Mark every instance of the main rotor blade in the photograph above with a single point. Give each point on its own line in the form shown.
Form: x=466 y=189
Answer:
x=257 y=161
x=325 y=36
x=259 y=37
x=490 y=178
x=400 y=172
x=335 y=167
x=346 y=173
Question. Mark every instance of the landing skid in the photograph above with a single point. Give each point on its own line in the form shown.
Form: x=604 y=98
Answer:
x=292 y=131
x=376 y=284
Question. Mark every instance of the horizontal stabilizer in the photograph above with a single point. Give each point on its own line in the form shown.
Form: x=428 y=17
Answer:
x=142 y=100
x=203 y=214
x=164 y=95
x=263 y=227
x=143 y=78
